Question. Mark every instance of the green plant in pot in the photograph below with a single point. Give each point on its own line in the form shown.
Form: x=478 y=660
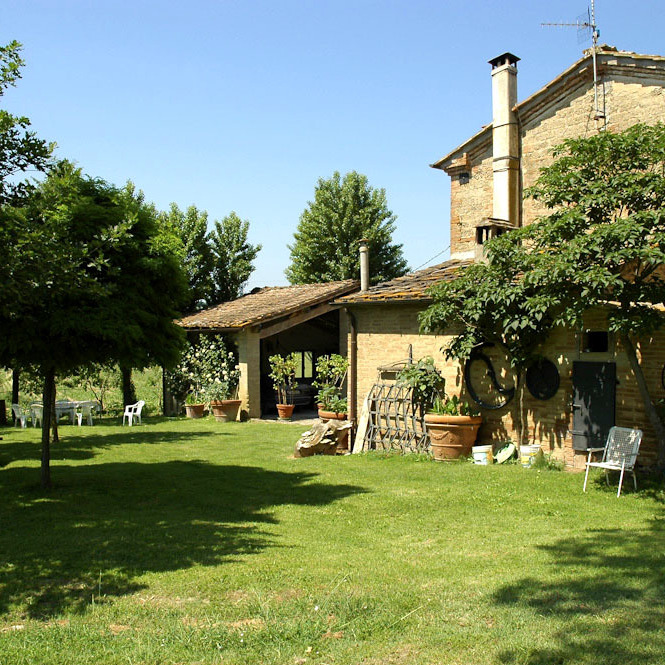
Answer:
x=283 y=374
x=194 y=405
x=330 y=374
x=452 y=425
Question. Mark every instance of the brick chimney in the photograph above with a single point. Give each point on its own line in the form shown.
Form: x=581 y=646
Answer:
x=505 y=140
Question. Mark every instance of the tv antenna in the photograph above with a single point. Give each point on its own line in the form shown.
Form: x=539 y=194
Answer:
x=586 y=27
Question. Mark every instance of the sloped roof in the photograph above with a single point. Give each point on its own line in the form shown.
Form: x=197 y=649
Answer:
x=579 y=73
x=266 y=304
x=410 y=287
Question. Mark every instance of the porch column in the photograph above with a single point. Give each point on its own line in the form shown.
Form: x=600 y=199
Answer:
x=249 y=357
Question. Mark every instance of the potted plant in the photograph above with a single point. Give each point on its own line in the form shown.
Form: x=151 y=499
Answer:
x=194 y=405
x=283 y=375
x=451 y=424
x=221 y=376
x=330 y=374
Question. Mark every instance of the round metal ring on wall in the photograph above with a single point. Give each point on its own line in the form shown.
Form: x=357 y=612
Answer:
x=542 y=379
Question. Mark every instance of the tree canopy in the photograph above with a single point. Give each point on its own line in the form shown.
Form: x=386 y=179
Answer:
x=88 y=269
x=344 y=211
x=602 y=245
x=20 y=149
x=233 y=257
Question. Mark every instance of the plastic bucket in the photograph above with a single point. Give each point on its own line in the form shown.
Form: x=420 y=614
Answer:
x=482 y=455
x=528 y=455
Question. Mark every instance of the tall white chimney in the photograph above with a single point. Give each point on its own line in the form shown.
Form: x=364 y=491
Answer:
x=505 y=139
x=364 y=264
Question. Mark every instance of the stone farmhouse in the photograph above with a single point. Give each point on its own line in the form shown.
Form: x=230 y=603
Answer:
x=592 y=386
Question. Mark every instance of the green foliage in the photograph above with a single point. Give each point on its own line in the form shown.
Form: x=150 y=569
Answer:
x=208 y=370
x=425 y=381
x=20 y=149
x=452 y=406
x=283 y=374
x=191 y=226
x=344 y=211
x=232 y=258
x=330 y=374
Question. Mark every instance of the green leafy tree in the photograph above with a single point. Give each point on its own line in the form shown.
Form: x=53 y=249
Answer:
x=233 y=258
x=20 y=149
x=90 y=269
x=344 y=211
x=191 y=226
x=602 y=245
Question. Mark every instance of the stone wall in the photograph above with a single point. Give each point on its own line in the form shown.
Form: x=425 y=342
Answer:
x=386 y=331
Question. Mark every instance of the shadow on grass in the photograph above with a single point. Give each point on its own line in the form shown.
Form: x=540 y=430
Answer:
x=112 y=523
x=608 y=587
x=82 y=443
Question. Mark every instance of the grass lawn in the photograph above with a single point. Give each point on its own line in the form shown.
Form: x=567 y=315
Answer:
x=202 y=542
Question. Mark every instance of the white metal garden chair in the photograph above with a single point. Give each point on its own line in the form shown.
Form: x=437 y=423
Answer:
x=619 y=454
x=20 y=415
x=132 y=412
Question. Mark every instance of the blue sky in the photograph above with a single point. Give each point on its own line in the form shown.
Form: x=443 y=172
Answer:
x=243 y=104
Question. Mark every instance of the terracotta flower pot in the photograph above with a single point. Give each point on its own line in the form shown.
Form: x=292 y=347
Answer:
x=285 y=411
x=331 y=415
x=451 y=437
x=225 y=410
x=195 y=410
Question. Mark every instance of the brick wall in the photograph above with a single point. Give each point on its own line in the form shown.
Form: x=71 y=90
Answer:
x=628 y=100
x=386 y=331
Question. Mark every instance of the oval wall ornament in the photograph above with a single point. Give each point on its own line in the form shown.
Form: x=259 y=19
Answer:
x=542 y=379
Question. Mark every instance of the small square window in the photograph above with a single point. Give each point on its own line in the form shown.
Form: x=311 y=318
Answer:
x=596 y=341
x=463 y=178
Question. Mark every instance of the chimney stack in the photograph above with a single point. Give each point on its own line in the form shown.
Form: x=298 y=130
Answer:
x=505 y=139
x=364 y=264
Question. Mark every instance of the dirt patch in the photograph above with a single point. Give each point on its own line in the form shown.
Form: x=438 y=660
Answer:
x=243 y=624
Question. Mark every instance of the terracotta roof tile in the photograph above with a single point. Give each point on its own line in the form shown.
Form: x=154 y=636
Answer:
x=265 y=304
x=408 y=287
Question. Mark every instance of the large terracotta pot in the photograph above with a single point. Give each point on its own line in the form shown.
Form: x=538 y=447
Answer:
x=285 y=411
x=225 y=410
x=331 y=415
x=451 y=437
x=195 y=410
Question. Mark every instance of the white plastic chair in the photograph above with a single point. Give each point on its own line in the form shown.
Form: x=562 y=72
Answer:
x=133 y=411
x=36 y=413
x=20 y=416
x=86 y=412
x=619 y=454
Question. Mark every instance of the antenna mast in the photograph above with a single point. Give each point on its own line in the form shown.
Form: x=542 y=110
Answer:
x=584 y=27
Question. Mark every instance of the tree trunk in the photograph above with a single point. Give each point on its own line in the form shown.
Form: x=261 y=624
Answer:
x=523 y=424
x=128 y=390
x=15 y=390
x=654 y=419
x=47 y=402
x=54 y=414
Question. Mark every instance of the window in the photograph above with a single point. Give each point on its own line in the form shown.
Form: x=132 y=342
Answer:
x=463 y=178
x=596 y=341
x=305 y=368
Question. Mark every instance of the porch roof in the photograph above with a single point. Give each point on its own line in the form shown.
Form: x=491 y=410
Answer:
x=266 y=304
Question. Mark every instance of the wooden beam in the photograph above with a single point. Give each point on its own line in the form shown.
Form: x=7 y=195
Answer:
x=294 y=320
